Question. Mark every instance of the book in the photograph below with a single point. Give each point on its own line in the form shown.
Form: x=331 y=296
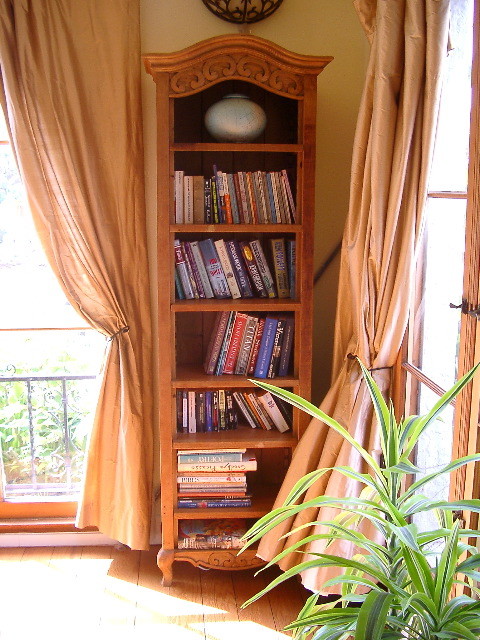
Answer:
x=263 y=267
x=222 y=410
x=252 y=361
x=192 y=265
x=286 y=351
x=227 y=268
x=228 y=203
x=181 y=269
x=267 y=400
x=211 y=534
x=220 y=193
x=225 y=344
x=214 y=199
x=235 y=342
x=189 y=267
x=291 y=264
x=244 y=208
x=210 y=451
x=253 y=270
x=188 y=199
x=279 y=259
x=246 y=345
x=248 y=463
x=274 y=217
x=216 y=341
x=232 y=418
x=233 y=198
x=274 y=365
x=182 y=411
x=291 y=200
x=200 y=266
x=239 y=269
x=211 y=456
x=257 y=411
x=214 y=269
x=260 y=196
x=207 y=190
x=200 y=411
x=178 y=286
x=198 y=200
x=178 y=191
x=213 y=503
x=252 y=202
x=222 y=491
x=205 y=478
x=192 y=417
x=265 y=348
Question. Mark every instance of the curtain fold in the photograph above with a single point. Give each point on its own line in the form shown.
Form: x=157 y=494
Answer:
x=70 y=89
x=391 y=159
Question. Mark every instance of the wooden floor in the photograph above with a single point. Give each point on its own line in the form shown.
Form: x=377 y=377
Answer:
x=102 y=592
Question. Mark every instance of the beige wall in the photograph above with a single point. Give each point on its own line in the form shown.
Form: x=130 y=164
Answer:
x=317 y=27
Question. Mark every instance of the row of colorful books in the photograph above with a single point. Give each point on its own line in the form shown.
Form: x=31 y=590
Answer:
x=246 y=344
x=205 y=411
x=244 y=197
x=211 y=534
x=234 y=269
x=214 y=479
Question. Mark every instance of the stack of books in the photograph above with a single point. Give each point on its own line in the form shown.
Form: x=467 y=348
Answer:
x=211 y=534
x=244 y=197
x=250 y=345
x=202 y=411
x=234 y=269
x=216 y=478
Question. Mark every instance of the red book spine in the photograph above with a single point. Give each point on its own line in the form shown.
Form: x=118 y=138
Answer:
x=235 y=342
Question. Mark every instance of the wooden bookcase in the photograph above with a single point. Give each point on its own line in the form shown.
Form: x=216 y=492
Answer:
x=187 y=83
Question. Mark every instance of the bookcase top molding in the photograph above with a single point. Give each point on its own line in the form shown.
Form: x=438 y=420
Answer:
x=235 y=57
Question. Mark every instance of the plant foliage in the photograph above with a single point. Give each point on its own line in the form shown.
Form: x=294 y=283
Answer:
x=403 y=587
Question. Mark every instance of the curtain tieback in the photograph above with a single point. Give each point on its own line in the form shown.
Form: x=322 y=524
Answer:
x=352 y=356
x=117 y=333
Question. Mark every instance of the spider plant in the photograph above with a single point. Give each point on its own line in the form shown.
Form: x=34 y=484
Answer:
x=398 y=588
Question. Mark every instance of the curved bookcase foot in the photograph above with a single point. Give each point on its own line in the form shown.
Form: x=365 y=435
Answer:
x=165 y=558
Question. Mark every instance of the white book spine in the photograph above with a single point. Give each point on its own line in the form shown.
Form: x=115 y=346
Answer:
x=178 y=192
x=192 y=419
x=227 y=268
x=188 y=199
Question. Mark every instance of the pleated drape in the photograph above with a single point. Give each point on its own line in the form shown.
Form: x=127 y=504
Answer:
x=391 y=158
x=70 y=88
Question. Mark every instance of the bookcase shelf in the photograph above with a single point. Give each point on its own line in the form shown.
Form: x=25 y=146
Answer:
x=272 y=178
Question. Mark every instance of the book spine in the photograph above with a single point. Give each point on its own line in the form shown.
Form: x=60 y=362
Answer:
x=222 y=410
x=181 y=268
x=285 y=354
x=271 y=199
x=248 y=465
x=260 y=195
x=251 y=198
x=244 y=197
x=207 y=185
x=257 y=410
x=197 y=257
x=253 y=270
x=192 y=418
x=178 y=286
x=234 y=346
x=268 y=402
x=178 y=195
x=214 y=269
x=239 y=268
x=188 y=199
x=266 y=347
x=214 y=413
x=227 y=197
x=214 y=196
x=263 y=268
x=227 y=268
x=208 y=418
x=209 y=457
x=246 y=346
x=292 y=266
x=217 y=478
x=225 y=344
x=252 y=362
x=198 y=200
x=274 y=365
x=216 y=341
x=291 y=199
x=232 y=418
x=220 y=194
x=200 y=411
x=281 y=194
x=185 y=503
x=179 y=405
x=190 y=273
x=280 y=267
x=194 y=268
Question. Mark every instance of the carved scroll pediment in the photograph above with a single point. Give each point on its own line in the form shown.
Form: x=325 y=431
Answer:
x=236 y=67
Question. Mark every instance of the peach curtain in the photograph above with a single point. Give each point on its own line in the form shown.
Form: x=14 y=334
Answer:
x=391 y=158
x=70 y=89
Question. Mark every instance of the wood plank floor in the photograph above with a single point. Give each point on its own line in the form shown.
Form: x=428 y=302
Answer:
x=103 y=592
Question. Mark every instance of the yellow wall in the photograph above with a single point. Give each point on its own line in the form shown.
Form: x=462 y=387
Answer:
x=317 y=27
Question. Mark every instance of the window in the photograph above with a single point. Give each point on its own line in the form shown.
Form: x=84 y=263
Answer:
x=437 y=350
x=49 y=361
